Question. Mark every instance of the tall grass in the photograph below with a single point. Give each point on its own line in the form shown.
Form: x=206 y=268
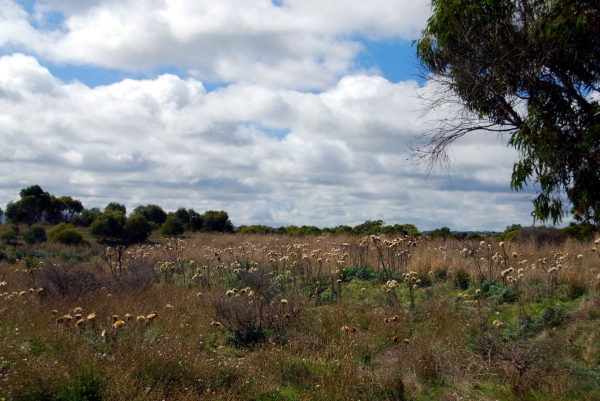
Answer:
x=458 y=323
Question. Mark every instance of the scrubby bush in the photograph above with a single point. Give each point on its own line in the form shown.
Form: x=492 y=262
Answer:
x=173 y=226
x=137 y=229
x=35 y=234
x=462 y=279
x=541 y=236
x=11 y=236
x=581 y=231
x=258 y=314
x=112 y=226
x=65 y=233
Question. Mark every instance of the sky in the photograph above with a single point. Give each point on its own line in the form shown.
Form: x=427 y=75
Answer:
x=280 y=112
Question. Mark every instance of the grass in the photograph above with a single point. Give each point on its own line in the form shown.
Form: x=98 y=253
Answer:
x=355 y=338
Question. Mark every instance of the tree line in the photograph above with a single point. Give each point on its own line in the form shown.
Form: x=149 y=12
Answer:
x=110 y=225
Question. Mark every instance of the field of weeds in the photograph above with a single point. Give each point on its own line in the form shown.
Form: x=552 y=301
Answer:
x=225 y=317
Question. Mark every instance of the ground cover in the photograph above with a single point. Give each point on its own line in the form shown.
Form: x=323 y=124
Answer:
x=234 y=317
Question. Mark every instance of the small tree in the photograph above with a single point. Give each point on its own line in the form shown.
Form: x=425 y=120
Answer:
x=172 y=226
x=115 y=206
x=153 y=213
x=109 y=226
x=87 y=217
x=137 y=229
x=216 y=221
x=113 y=227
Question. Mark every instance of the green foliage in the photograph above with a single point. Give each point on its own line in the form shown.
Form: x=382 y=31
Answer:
x=153 y=213
x=576 y=288
x=510 y=234
x=137 y=229
x=258 y=229
x=87 y=217
x=35 y=234
x=36 y=205
x=11 y=236
x=172 y=226
x=583 y=231
x=462 y=279
x=109 y=226
x=65 y=233
x=474 y=237
x=525 y=68
x=352 y=273
x=80 y=388
x=443 y=232
x=113 y=226
x=116 y=207
x=217 y=221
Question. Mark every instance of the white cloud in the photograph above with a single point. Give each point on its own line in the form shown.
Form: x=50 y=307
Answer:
x=266 y=155
x=302 y=44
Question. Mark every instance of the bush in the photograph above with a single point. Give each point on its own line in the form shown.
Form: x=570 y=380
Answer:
x=358 y=273
x=10 y=237
x=541 y=236
x=440 y=273
x=172 y=226
x=252 y=319
x=109 y=226
x=35 y=234
x=137 y=228
x=582 y=231
x=65 y=233
x=576 y=288
x=462 y=279
x=67 y=281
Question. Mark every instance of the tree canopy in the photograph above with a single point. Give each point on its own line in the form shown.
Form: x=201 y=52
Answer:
x=112 y=226
x=530 y=69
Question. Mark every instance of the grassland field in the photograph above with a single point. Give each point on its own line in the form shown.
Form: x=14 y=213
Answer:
x=230 y=317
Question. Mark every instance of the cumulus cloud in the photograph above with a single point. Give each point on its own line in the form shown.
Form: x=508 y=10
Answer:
x=266 y=155
x=301 y=44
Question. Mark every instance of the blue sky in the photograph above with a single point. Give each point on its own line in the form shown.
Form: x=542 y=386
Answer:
x=283 y=112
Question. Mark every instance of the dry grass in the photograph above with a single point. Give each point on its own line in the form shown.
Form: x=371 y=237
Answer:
x=337 y=337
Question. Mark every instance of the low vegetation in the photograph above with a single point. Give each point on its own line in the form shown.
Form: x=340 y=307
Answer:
x=276 y=317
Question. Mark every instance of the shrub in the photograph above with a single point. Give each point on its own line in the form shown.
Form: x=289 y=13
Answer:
x=67 y=281
x=352 y=273
x=541 y=236
x=137 y=228
x=108 y=226
x=462 y=279
x=10 y=237
x=65 y=233
x=172 y=226
x=35 y=234
x=576 y=288
x=440 y=273
x=251 y=319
